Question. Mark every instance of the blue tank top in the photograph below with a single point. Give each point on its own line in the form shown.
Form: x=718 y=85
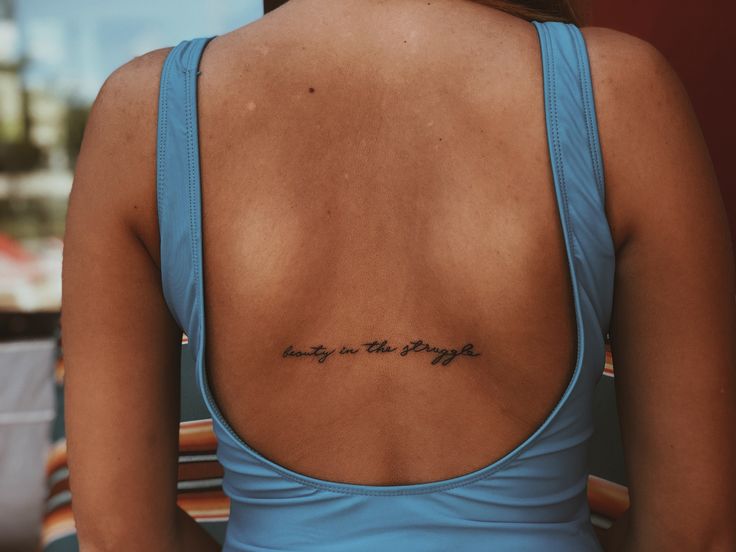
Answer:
x=534 y=497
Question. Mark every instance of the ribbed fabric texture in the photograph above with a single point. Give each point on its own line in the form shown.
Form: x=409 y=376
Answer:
x=534 y=498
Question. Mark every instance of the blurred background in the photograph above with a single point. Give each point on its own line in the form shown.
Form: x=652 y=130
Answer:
x=54 y=57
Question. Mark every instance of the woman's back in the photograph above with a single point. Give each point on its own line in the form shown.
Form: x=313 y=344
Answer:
x=409 y=196
x=365 y=180
x=379 y=285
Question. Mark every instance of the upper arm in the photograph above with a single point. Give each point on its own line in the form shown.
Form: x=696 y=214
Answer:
x=673 y=326
x=121 y=345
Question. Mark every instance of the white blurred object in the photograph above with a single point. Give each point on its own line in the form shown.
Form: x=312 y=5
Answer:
x=26 y=413
x=9 y=41
x=30 y=275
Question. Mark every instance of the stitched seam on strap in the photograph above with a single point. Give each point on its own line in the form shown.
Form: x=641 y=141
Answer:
x=558 y=155
x=162 y=164
x=579 y=321
x=162 y=136
x=584 y=91
x=190 y=166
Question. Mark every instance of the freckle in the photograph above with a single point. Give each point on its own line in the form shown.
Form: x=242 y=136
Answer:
x=440 y=139
x=251 y=106
x=405 y=42
x=328 y=212
x=311 y=90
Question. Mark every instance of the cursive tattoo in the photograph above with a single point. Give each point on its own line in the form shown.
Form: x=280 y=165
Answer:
x=317 y=351
x=444 y=356
x=441 y=355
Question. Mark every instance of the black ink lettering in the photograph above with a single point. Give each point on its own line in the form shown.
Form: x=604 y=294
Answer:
x=379 y=347
x=317 y=351
x=442 y=356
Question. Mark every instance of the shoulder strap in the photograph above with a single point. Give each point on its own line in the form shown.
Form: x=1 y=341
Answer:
x=569 y=93
x=577 y=167
x=574 y=147
x=177 y=181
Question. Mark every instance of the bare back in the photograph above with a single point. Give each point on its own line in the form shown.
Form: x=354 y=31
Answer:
x=372 y=175
x=384 y=179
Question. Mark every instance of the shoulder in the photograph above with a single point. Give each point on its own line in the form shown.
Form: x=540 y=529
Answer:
x=645 y=121
x=128 y=94
x=627 y=65
x=673 y=317
x=135 y=75
x=123 y=114
x=635 y=86
x=115 y=170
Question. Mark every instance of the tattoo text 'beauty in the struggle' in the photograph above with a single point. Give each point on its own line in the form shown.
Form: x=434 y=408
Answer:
x=443 y=356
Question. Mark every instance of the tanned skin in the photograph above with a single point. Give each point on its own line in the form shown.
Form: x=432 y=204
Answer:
x=380 y=171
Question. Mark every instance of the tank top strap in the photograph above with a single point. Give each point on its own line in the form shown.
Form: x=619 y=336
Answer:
x=177 y=181
x=577 y=167
x=574 y=149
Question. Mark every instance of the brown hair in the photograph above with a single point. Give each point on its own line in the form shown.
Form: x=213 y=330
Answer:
x=566 y=11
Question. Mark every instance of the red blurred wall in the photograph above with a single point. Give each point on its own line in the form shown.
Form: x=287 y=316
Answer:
x=699 y=41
